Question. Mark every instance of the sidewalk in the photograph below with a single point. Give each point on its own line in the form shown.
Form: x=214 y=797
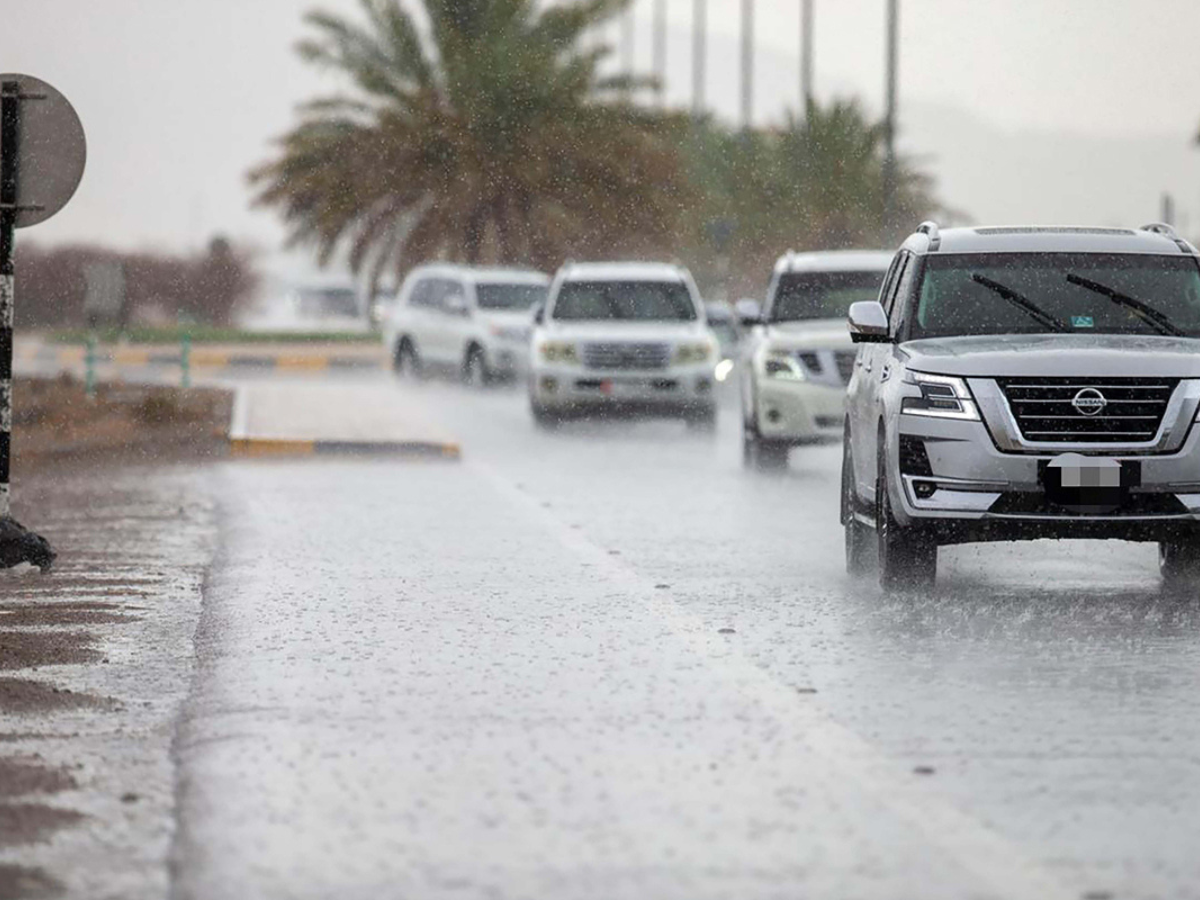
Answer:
x=305 y=418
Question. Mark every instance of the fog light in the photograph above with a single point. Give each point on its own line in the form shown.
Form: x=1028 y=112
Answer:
x=924 y=489
x=773 y=415
x=549 y=385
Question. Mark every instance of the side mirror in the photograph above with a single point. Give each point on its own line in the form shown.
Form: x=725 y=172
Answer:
x=868 y=323
x=539 y=314
x=456 y=305
x=748 y=312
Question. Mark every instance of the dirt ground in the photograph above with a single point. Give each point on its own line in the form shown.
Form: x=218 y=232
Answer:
x=95 y=657
x=55 y=423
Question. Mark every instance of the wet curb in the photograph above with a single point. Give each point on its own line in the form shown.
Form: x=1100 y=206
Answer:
x=242 y=444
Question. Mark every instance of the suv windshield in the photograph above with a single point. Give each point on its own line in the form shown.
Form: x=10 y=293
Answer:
x=822 y=295
x=1039 y=293
x=509 y=296
x=625 y=300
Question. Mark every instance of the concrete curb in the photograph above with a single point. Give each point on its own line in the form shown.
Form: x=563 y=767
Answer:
x=244 y=445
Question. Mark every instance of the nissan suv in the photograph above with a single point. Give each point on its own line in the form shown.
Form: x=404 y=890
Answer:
x=798 y=356
x=622 y=337
x=1022 y=383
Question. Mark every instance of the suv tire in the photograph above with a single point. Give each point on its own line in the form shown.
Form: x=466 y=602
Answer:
x=857 y=536
x=475 y=372
x=762 y=455
x=543 y=417
x=907 y=558
x=1179 y=563
x=405 y=360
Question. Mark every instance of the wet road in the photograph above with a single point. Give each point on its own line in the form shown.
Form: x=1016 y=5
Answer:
x=607 y=662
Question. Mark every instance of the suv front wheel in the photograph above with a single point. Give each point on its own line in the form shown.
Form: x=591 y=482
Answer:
x=907 y=558
x=1179 y=563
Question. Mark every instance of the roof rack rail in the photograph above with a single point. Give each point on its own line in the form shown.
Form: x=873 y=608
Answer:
x=1168 y=231
x=930 y=228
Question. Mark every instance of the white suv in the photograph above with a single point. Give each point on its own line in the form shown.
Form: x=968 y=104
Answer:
x=623 y=336
x=470 y=321
x=799 y=356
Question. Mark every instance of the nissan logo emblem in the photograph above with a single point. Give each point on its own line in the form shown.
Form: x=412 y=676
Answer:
x=1089 y=402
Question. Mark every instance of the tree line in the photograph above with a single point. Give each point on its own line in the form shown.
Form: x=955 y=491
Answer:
x=492 y=135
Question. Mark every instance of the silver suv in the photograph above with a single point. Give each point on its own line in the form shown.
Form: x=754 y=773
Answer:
x=1022 y=383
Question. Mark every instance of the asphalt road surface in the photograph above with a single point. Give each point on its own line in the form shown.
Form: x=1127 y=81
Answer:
x=606 y=662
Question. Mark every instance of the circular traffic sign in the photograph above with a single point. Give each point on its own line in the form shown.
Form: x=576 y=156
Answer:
x=51 y=150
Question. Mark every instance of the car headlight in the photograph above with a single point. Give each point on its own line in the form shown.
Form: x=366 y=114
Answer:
x=559 y=351
x=686 y=354
x=783 y=366
x=942 y=397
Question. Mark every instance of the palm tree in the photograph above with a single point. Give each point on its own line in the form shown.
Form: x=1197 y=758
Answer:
x=493 y=137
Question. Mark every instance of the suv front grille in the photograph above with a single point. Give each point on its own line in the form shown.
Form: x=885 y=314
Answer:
x=626 y=356
x=1049 y=409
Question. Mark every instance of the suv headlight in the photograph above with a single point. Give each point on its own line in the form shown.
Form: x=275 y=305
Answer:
x=942 y=397
x=558 y=351
x=784 y=366
x=686 y=354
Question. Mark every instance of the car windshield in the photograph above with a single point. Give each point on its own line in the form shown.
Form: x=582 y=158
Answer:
x=509 y=296
x=822 y=295
x=1040 y=293
x=649 y=301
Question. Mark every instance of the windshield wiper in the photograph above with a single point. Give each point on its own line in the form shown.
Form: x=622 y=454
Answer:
x=1022 y=302
x=1147 y=314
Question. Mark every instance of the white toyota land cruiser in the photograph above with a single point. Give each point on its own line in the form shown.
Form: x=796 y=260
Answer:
x=799 y=356
x=622 y=336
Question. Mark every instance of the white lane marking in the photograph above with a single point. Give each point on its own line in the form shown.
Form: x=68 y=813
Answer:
x=998 y=863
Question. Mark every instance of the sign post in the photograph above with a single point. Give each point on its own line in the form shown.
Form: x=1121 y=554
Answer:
x=42 y=155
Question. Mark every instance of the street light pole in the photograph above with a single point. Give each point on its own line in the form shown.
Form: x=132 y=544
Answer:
x=660 y=49
x=806 y=55
x=889 y=159
x=627 y=32
x=699 y=34
x=747 y=63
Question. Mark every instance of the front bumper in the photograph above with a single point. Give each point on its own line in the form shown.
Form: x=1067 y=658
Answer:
x=798 y=411
x=676 y=388
x=949 y=475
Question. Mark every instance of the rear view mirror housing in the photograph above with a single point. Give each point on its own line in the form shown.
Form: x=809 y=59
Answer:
x=539 y=314
x=868 y=323
x=456 y=305
x=748 y=312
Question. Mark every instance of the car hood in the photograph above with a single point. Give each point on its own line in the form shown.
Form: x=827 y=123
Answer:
x=814 y=334
x=624 y=331
x=1067 y=355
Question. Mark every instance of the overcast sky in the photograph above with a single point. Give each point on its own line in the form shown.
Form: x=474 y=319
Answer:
x=1030 y=110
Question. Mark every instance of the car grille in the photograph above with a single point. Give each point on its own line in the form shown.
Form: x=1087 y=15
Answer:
x=845 y=363
x=1132 y=412
x=626 y=356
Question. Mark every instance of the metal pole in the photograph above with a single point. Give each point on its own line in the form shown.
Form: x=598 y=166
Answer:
x=10 y=133
x=747 y=63
x=627 y=31
x=660 y=49
x=699 y=58
x=889 y=159
x=806 y=55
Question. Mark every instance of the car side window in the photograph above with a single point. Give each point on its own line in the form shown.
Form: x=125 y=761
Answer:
x=893 y=287
x=904 y=287
x=452 y=290
x=420 y=295
x=889 y=280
